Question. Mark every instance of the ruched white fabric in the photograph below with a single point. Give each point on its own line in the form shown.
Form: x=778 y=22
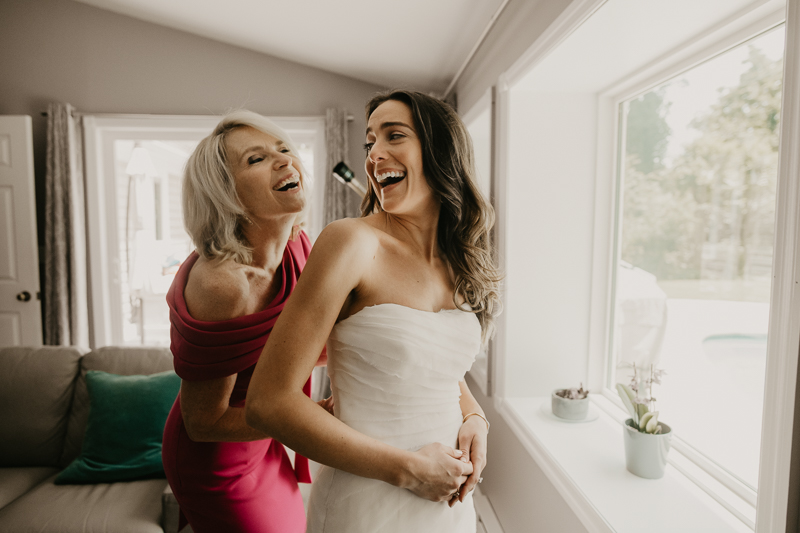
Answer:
x=394 y=375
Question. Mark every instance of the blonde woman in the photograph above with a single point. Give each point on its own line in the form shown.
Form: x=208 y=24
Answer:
x=403 y=296
x=244 y=196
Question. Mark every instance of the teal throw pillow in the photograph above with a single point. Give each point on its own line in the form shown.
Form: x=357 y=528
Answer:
x=126 y=423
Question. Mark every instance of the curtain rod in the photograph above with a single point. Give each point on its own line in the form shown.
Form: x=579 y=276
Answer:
x=78 y=114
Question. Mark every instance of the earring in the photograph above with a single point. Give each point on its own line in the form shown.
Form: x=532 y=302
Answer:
x=247 y=219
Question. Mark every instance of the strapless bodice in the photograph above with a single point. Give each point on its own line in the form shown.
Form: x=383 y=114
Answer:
x=395 y=370
x=394 y=375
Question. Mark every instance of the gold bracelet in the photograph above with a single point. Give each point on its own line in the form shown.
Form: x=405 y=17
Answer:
x=480 y=415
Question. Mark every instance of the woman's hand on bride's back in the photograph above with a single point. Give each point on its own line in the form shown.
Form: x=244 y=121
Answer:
x=439 y=473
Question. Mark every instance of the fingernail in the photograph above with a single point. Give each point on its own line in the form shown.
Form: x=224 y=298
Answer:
x=459 y=453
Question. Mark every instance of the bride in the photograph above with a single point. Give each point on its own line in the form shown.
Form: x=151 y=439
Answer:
x=404 y=296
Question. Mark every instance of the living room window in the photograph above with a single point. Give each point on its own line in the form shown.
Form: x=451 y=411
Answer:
x=135 y=172
x=638 y=169
x=697 y=175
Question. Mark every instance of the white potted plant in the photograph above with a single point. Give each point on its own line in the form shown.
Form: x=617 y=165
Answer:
x=647 y=440
x=570 y=404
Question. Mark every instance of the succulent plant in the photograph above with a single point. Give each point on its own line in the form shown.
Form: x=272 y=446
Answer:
x=574 y=393
x=642 y=410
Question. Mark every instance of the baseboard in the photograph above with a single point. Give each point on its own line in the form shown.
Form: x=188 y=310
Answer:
x=487 y=519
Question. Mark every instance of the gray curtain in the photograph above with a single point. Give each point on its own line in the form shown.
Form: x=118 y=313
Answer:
x=340 y=202
x=65 y=293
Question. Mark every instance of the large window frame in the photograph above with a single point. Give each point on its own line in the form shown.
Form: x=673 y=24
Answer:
x=608 y=230
x=100 y=134
x=784 y=330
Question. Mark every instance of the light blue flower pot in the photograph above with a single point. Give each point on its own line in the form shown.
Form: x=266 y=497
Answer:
x=569 y=409
x=645 y=453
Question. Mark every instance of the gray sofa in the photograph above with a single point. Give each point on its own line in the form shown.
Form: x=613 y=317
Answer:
x=44 y=406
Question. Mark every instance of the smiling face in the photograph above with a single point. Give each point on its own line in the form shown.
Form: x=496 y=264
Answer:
x=267 y=175
x=394 y=160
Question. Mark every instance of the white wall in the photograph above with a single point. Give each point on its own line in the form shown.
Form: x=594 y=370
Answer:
x=549 y=221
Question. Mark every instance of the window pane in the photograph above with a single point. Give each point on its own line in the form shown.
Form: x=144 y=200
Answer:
x=698 y=179
x=152 y=240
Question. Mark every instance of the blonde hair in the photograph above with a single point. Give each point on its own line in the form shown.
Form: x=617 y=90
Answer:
x=466 y=217
x=212 y=212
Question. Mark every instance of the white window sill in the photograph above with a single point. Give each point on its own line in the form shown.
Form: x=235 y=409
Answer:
x=586 y=463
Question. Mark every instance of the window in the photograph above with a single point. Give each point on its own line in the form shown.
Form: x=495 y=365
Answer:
x=136 y=235
x=637 y=155
x=696 y=217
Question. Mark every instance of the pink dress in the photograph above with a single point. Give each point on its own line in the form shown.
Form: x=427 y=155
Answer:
x=231 y=487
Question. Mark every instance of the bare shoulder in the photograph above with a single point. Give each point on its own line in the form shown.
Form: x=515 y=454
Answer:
x=351 y=239
x=217 y=290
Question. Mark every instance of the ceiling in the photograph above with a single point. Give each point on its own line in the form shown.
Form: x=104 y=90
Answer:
x=413 y=43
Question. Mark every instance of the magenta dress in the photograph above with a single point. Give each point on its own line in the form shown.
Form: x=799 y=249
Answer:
x=231 y=487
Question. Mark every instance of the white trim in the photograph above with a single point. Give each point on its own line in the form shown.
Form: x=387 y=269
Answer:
x=661 y=500
x=724 y=36
x=97 y=253
x=784 y=327
x=605 y=205
x=485 y=512
x=589 y=516
x=567 y=22
x=475 y=47
x=736 y=497
x=480 y=373
x=500 y=200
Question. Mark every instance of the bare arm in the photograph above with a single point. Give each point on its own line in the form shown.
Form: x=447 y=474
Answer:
x=472 y=438
x=207 y=415
x=213 y=293
x=276 y=404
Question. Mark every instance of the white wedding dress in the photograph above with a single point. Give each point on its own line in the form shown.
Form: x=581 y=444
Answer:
x=394 y=374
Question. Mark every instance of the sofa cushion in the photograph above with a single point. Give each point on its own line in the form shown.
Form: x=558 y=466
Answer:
x=126 y=423
x=132 y=507
x=36 y=388
x=125 y=361
x=16 y=481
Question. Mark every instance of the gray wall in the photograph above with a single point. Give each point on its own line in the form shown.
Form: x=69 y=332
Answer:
x=521 y=495
x=102 y=62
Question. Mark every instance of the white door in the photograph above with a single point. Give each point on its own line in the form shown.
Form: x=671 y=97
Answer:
x=20 y=310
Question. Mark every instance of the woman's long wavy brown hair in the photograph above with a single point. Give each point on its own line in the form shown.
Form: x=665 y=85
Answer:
x=466 y=217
